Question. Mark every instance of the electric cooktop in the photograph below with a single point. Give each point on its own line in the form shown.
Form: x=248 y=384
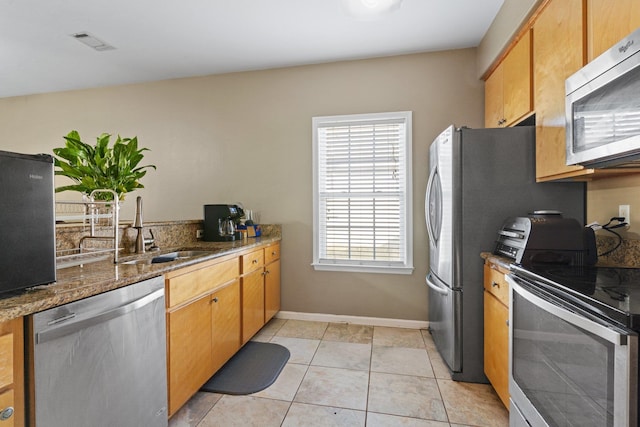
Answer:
x=615 y=292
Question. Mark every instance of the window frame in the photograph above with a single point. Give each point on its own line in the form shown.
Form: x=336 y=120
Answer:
x=364 y=266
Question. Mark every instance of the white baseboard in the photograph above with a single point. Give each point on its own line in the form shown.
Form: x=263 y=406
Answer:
x=356 y=320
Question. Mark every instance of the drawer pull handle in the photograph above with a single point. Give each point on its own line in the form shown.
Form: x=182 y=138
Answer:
x=507 y=322
x=6 y=413
x=274 y=253
x=255 y=261
x=495 y=284
x=215 y=299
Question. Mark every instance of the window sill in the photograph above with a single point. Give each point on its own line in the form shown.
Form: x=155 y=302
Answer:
x=363 y=269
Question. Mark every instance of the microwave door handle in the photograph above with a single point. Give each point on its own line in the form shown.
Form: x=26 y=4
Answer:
x=585 y=321
x=433 y=285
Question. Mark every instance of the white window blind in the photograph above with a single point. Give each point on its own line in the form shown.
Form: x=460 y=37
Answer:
x=362 y=206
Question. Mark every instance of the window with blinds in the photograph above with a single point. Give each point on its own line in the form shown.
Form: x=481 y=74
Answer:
x=362 y=197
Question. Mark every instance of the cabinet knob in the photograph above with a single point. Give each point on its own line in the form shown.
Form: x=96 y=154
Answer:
x=255 y=261
x=215 y=299
x=495 y=284
x=6 y=413
x=274 y=253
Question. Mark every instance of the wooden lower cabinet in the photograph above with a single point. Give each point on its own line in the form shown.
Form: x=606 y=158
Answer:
x=189 y=344
x=203 y=324
x=212 y=309
x=252 y=304
x=12 y=397
x=260 y=289
x=252 y=280
x=271 y=290
x=496 y=331
x=225 y=323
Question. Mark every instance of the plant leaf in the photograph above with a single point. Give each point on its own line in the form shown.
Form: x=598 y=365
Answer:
x=100 y=166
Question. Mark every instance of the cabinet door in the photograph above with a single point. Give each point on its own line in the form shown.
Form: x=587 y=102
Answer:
x=496 y=345
x=493 y=99
x=517 y=81
x=12 y=371
x=557 y=53
x=271 y=290
x=7 y=400
x=252 y=304
x=608 y=22
x=225 y=321
x=189 y=354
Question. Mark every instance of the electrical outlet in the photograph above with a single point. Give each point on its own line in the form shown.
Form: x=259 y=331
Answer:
x=625 y=211
x=199 y=234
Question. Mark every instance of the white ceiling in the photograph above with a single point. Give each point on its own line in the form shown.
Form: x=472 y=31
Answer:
x=162 y=39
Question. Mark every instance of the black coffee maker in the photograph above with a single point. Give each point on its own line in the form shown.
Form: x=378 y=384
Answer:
x=220 y=222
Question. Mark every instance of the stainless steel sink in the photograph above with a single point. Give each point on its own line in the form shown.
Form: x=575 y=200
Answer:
x=168 y=257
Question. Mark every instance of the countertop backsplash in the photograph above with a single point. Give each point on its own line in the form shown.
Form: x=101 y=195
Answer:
x=166 y=234
x=627 y=255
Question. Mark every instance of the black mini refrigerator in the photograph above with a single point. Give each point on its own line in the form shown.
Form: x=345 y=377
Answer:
x=27 y=221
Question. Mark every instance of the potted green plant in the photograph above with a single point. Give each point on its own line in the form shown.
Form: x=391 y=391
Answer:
x=100 y=166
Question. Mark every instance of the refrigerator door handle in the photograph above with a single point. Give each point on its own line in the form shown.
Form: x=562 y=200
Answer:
x=427 y=199
x=433 y=285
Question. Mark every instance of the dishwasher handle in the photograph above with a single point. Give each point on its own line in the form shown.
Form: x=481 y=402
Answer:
x=78 y=324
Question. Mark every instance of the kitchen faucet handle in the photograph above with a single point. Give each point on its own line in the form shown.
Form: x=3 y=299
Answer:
x=151 y=242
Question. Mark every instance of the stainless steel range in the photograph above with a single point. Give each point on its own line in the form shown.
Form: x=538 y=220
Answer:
x=573 y=336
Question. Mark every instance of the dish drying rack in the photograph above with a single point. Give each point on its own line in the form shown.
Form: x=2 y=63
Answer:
x=101 y=218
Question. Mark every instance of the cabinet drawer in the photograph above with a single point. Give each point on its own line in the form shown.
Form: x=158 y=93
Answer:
x=496 y=284
x=252 y=261
x=199 y=282
x=271 y=253
x=6 y=360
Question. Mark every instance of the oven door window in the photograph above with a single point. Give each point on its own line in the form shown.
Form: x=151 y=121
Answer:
x=566 y=372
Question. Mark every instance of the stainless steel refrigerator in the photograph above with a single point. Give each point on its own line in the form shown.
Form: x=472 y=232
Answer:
x=478 y=178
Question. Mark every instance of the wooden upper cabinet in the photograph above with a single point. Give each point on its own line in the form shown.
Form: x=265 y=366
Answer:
x=508 y=90
x=494 y=99
x=608 y=22
x=517 y=81
x=558 y=52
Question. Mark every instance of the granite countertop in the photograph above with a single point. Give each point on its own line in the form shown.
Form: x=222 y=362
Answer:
x=74 y=283
x=499 y=260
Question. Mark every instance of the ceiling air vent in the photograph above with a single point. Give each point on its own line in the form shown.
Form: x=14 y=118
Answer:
x=92 y=41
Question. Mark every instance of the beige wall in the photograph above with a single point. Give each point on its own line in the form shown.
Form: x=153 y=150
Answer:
x=604 y=196
x=246 y=137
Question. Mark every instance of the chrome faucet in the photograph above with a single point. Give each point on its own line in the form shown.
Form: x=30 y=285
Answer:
x=141 y=242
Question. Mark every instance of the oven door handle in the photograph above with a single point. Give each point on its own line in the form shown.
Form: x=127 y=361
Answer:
x=592 y=324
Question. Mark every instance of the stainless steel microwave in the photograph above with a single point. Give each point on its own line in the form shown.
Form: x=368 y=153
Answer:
x=603 y=108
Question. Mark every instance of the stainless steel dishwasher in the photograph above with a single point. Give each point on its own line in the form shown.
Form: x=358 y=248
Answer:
x=101 y=361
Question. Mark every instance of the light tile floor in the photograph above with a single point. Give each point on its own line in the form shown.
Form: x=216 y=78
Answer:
x=351 y=375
